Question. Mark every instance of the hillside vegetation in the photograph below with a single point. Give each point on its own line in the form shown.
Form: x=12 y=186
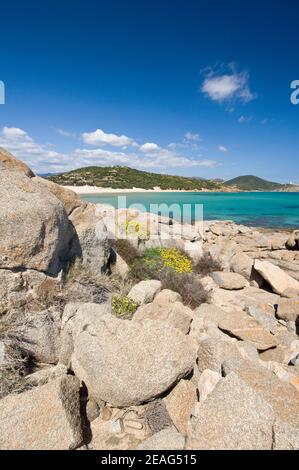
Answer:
x=123 y=177
x=254 y=183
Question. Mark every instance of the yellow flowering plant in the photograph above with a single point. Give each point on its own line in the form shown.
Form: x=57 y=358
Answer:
x=123 y=307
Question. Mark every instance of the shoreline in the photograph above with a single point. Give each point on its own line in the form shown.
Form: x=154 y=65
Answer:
x=96 y=190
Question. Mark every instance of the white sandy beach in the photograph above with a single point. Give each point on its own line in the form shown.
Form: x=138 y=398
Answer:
x=97 y=190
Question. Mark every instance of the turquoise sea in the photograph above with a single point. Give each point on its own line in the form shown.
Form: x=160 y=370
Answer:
x=253 y=208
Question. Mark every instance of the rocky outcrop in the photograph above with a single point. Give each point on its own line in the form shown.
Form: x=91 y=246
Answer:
x=224 y=375
x=35 y=231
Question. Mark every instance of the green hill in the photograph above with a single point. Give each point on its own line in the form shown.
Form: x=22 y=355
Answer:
x=253 y=183
x=118 y=177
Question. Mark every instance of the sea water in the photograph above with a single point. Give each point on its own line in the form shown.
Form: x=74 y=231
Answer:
x=261 y=209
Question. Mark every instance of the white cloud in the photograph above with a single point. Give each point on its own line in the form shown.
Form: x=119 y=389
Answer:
x=160 y=159
x=44 y=159
x=227 y=87
x=192 y=137
x=243 y=119
x=209 y=163
x=39 y=157
x=222 y=148
x=66 y=133
x=149 y=147
x=100 y=138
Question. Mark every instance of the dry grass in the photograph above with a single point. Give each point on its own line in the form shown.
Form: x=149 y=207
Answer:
x=188 y=285
x=13 y=359
x=207 y=265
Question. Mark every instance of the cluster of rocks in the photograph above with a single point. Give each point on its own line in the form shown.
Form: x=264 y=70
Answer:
x=222 y=376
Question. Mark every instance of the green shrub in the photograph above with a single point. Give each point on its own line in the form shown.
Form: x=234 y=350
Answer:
x=156 y=260
x=123 y=307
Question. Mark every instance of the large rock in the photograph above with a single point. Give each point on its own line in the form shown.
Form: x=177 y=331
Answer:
x=180 y=403
x=229 y=281
x=9 y=162
x=243 y=327
x=276 y=277
x=145 y=291
x=124 y=362
x=288 y=309
x=281 y=396
x=69 y=199
x=91 y=242
x=35 y=231
x=45 y=418
x=233 y=417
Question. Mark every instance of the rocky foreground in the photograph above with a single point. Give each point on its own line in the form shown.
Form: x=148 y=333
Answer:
x=74 y=374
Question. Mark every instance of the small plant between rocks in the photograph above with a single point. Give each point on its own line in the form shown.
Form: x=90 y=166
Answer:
x=123 y=307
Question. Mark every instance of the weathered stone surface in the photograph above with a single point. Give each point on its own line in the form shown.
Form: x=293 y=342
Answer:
x=43 y=376
x=276 y=277
x=209 y=312
x=288 y=309
x=229 y=281
x=212 y=352
x=207 y=382
x=177 y=314
x=266 y=320
x=285 y=436
x=234 y=417
x=242 y=264
x=179 y=404
x=45 y=418
x=124 y=362
x=145 y=291
x=68 y=198
x=167 y=439
x=283 y=398
x=35 y=231
x=118 y=265
x=166 y=297
x=41 y=337
x=9 y=162
x=91 y=242
x=243 y=327
x=12 y=292
x=238 y=300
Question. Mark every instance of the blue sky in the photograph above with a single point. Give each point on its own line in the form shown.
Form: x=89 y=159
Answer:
x=183 y=87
